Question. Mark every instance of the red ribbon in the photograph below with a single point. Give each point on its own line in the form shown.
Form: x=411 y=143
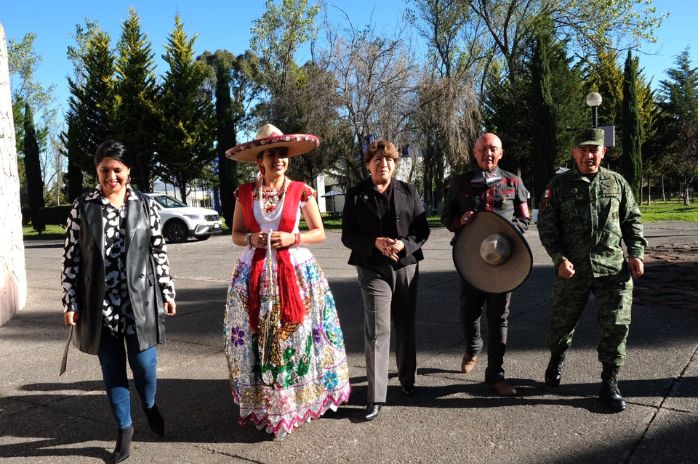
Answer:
x=292 y=305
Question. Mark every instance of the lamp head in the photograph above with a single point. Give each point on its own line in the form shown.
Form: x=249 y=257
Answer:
x=594 y=99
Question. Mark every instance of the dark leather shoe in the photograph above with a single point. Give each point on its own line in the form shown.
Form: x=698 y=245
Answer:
x=468 y=363
x=408 y=390
x=552 y=376
x=155 y=420
x=372 y=411
x=503 y=388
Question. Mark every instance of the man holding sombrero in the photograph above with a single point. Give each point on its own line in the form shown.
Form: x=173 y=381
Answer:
x=492 y=258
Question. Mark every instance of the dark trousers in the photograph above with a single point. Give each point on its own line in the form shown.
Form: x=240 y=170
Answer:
x=471 y=302
x=389 y=297
x=113 y=355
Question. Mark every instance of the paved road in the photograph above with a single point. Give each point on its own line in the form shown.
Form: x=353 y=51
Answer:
x=453 y=418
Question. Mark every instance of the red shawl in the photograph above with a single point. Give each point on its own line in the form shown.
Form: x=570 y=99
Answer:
x=292 y=305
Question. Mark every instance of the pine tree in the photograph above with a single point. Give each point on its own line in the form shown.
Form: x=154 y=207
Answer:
x=544 y=121
x=221 y=68
x=631 y=128
x=605 y=77
x=678 y=132
x=186 y=140
x=91 y=109
x=35 y=184
x=136 y=120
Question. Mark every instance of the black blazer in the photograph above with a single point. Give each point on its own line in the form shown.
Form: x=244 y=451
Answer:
x=362 y=224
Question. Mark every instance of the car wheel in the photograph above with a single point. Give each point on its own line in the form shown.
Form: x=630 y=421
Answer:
x=176 y=231
x=202 y=238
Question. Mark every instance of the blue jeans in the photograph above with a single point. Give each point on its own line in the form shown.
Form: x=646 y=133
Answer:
x=112 y=355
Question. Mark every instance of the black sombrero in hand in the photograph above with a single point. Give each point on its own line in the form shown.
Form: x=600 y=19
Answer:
x=491 y=254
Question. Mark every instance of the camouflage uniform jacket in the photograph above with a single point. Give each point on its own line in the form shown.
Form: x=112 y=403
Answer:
x=585 y=220
x=500 y=198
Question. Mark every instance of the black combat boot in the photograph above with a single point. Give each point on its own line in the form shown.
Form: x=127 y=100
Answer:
x=155 y=420
x=609 y=391
x=121 y=451
x=552 y=376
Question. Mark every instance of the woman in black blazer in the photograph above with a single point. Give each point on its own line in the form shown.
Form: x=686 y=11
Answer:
x=385 y=225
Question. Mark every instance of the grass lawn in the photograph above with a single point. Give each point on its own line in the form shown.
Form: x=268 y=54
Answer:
x=670 y=211
x=52 y=232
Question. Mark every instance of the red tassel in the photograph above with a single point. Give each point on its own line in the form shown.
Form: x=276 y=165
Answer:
x=256 y=268
x=293 y=311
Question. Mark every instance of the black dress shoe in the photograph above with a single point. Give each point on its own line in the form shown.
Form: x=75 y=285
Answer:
x=408 y=390
x=372 y=411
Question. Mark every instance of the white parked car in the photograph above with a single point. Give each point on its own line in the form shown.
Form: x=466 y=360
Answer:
x=180 y=221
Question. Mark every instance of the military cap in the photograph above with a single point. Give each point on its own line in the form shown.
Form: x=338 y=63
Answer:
x=590 y=137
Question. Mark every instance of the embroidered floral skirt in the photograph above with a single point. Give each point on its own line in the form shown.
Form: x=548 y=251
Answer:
x=305 y=371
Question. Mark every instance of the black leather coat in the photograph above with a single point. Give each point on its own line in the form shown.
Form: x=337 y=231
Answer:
x=144 y=292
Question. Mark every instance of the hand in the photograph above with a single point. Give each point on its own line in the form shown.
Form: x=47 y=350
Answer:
x=566 y=269
x=388 y=247
x=70 y=317
x=467 y=217
x=397 y=245
x=169 y=307
x=280 y=239
x=258 y=240
x=636 y=266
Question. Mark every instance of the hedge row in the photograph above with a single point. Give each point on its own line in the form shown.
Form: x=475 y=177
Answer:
x=56 y=215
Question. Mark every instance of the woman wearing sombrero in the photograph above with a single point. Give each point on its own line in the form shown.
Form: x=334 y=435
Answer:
x=283 y=341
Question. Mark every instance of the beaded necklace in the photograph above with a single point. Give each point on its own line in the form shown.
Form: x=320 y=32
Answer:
x=271 y=201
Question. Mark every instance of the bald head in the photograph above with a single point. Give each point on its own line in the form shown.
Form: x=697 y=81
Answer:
x=488 y=151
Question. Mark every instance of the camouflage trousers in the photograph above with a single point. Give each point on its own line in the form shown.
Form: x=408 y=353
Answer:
x=613 y=297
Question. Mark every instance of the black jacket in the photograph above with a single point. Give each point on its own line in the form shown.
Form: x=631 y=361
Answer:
x=144 y=292
x=362 y=224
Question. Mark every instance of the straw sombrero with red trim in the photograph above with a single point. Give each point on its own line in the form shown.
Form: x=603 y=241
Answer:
x=268 y=137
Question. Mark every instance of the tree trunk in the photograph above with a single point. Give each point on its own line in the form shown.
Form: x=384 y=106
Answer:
x=649 y=189
x=663 y=189
x=13 y=274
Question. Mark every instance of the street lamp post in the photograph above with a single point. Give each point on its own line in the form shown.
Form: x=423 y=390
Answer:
x=594 y=100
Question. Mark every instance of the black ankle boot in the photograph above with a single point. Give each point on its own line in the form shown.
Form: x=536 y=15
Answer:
x=121 y=451
x=609 y=391
x=155 y=420
x=552 y=376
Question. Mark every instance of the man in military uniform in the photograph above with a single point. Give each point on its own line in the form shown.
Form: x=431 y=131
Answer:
x=486 y=188
x=584 y=215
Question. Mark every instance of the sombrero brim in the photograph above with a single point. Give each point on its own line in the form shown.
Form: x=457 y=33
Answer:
x=296 y=144
x=481 y=275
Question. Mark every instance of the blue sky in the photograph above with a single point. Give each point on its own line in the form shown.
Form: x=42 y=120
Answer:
x=226 y=24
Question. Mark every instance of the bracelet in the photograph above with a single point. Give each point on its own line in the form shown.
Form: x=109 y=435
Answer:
x=297 y=239
x=248 y=239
